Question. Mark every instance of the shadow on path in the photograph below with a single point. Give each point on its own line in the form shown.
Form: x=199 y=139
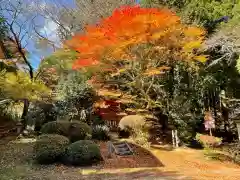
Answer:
x=142 y=174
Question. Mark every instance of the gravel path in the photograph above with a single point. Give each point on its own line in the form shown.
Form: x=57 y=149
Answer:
x=193 y=163
x=16 y=163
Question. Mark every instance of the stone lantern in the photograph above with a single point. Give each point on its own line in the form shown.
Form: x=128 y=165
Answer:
x=233 y=104
x=19 y=126
x=237 y=121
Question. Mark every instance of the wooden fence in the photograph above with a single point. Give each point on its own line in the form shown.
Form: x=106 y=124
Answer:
x=111 y=117
x=112 y=124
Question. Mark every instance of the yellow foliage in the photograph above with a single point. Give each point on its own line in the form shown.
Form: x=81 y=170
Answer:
x=126 y=101
x=136 y=110
x=106 y=92
x=156 y=71
x=192 y=45
x=194 y=31
x=119 y=72
x=20 y=86
x=201 y=58
x=100 y=104
x=158 y=35
x=152 y=72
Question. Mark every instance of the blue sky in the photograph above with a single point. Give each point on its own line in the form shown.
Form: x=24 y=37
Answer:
x=49 y=29
x=46 y=27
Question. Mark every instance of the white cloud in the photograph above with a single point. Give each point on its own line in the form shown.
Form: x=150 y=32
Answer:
x=50 y=31
x=38 y=6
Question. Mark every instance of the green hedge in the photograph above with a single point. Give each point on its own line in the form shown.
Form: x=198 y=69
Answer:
x=50 y=147
x=79 y=131
x=73 y=130
x=83 y=152
x=56 y=127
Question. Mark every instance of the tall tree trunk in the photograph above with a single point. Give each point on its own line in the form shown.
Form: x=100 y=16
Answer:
x=23 y=55
x=225 y=115
x=26 y=101
x=171 y=82
x=24 y=114
x=215 y=103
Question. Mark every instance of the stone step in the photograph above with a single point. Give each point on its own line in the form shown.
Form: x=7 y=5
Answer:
x=124 y=153
x=122 y=148
x=121 y=145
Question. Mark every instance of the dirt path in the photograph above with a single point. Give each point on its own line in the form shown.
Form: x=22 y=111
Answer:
x=192 y=163
x=16 y=163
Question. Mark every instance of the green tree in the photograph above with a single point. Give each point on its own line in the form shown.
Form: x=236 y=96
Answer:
x=75 y=97
x=19 y=86
x=201 y=12
x=19 y=20
x=55 y=66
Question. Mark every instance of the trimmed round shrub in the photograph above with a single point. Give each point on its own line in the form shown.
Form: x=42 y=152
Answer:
x=79 y=131
x=56 y=127
x=73 y=130
x=132 y=122
x=100 y=132
x=50 y=147
x=83 y=152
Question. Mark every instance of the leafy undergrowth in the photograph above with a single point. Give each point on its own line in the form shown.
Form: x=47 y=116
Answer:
x=218 y=155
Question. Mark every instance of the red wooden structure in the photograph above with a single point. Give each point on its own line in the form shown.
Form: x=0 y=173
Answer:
x=112 y=114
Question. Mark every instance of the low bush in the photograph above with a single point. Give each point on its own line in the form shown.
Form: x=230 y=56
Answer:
x=208 y=141
x=56 y=127
x=141 y=137
x=137 y=128
x=100 y=132
x=35 y=116
x=128 y=123
x=83 y=152
x=40 y=113
x=97 y=120
x=73 y=130
x=49 y=148
x=79 y=131
x=194 y=144
x=233 y=149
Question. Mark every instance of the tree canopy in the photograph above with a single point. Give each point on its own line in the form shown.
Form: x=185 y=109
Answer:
x=172 y=59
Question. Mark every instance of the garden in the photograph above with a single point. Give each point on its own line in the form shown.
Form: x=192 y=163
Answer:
x=119 y=90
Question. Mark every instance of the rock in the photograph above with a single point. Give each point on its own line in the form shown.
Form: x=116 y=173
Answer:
x=25 y=132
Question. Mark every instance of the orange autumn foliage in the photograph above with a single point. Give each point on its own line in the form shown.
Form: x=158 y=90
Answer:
x=128 y=26
x=85 y=63
x=140 y=43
